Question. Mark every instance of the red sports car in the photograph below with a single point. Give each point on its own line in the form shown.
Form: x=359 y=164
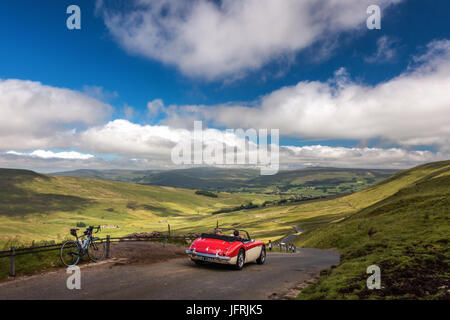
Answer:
x=235 y=248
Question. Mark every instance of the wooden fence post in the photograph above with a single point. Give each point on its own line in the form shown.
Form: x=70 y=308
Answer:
x=165 y=241
x=108 y=242
x=12 y=266
x=168 y=229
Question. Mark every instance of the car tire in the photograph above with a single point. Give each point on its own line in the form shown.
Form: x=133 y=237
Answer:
x=240 y=260
x=262 y=256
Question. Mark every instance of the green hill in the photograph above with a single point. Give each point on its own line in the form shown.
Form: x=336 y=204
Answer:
x=42 y=207
x=400 y=225
x=110 y=175
x=308 y=181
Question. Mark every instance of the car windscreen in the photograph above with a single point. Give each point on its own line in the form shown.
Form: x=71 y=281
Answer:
x=221 y=237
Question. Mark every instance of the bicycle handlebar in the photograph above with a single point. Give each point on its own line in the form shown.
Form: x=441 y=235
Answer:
x=91 y=229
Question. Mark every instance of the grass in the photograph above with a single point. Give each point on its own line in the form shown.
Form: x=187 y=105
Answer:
x=36 y=207
x=406 y=234
x=31 y=264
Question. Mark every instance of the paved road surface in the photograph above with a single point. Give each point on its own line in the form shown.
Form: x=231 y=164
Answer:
x=290 y=237
x=177 y=279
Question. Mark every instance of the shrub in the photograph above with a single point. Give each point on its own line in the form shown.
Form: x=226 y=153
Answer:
x=206 y=193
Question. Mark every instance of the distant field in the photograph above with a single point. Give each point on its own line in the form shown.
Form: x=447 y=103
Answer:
x=309 y=182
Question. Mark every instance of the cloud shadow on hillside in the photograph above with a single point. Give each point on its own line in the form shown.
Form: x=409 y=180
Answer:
x=18 y=201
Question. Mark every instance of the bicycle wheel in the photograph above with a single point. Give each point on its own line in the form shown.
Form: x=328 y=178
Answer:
x=97 y=249
x=70 y=253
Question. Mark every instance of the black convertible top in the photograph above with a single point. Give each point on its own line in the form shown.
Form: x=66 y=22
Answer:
x=221 y=237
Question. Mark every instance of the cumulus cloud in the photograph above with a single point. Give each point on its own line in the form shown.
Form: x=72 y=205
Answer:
x=318 y=155
x=33 y=115
x=216 y=39
x=122 y=137
x=411 y=109
x=152 y=145
x=126 y=138
x=136 y=146
x=43 y=154
x=291 y=157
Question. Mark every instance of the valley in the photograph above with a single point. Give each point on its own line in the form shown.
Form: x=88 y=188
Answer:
x=400 y=223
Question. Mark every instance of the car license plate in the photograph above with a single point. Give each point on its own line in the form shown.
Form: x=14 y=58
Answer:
x=208 y=259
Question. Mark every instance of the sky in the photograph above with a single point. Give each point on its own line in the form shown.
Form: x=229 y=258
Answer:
x=126 y=88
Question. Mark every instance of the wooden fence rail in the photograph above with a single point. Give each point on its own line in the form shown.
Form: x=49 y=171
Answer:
x=13 y=252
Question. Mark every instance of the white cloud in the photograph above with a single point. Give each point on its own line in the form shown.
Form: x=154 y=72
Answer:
x=213 y=40
x=125 y=138
x=153 y=146
x=155 y=106
x=128 y=111
x=409 y=110
x=43 y=154
x=317 y=155
x=58 y=164
x=33 y=115
x=386 y=50
x=291 y=157
x=99 y=93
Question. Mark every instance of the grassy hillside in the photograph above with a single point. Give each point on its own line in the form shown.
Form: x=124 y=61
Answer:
x=40 y=207
x=308 y=181
x=401 y=225
x=109 y=175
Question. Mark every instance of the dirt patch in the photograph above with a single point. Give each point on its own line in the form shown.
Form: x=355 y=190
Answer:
x=146 y=252
x=293 y=292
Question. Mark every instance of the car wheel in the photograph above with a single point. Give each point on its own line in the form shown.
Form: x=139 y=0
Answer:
x=240 y=259
x=262 y=256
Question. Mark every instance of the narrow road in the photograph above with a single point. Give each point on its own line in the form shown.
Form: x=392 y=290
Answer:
x=287 y=239
x=290 y=237
x=178 y=279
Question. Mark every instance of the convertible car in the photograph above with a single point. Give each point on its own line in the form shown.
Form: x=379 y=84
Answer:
x=227 y=246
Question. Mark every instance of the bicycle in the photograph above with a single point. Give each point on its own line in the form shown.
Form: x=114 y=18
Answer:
x=71 y=251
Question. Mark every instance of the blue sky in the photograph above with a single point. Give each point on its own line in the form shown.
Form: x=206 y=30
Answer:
x=97 y=61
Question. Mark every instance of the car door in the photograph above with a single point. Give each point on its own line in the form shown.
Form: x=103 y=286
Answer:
x=252 y=251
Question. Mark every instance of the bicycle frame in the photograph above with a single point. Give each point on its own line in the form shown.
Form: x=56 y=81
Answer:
x=84 y=244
